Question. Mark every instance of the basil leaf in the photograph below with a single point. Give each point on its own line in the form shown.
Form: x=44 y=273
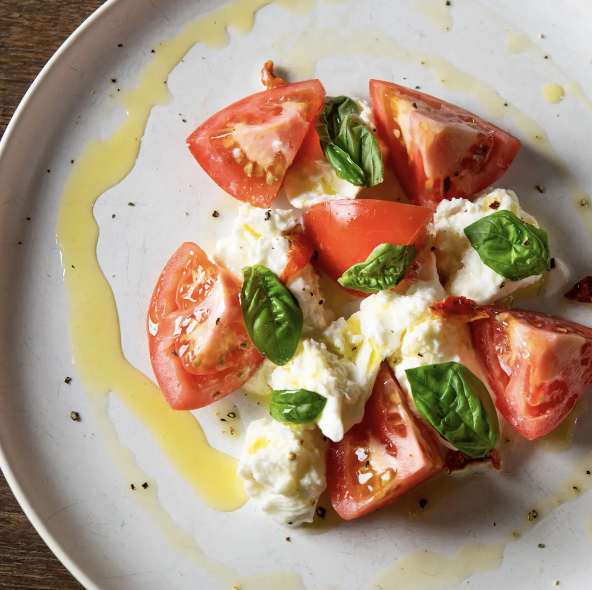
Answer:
x=271 y=313
x=511 y=247
x=384 y=269
x=457 y=404
x=348 y=143
x=296 y=406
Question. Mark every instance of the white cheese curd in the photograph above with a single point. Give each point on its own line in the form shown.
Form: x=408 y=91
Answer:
x=305 y=287
x=345 y=383
x=258 y=383
x=386 y=316
x=284 y=469
x=316 y=182
x=459 y=265
x=257 y=237
x=366 y=112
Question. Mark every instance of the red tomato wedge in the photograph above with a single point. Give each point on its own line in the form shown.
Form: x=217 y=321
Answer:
x=247 y=147
x=382 y=457
x=199 y=348
x=537 y=366
x=438 y=150
x=345 y=232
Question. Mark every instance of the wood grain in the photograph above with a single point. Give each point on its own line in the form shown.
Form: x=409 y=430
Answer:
x=30 y=32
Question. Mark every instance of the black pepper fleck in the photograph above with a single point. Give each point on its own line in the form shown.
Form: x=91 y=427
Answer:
x=315 y=255
x=145 y=485
x=231 y=414
x=433 y=248
x=417 y=88
x=133 y=487
x=552 y=262
x=184 y=120
x=503 y=284
x=120 y=45
x=68 y=380
x=288 y=539
x=75 y=416
x=575 y=488
x=113 y=216
x=541 y=545
x=540 y=188
x=222 y=419
x=414 y=106
x=321 y=512
x=130 y=204
x=268 y=215
x=448 y=3
x=367 y=464
x=175 y=352
x=423 y=503
x=321 y=302
x=152 y=51
x=217 y=321
x=114 y=80
x=588 y=472
x=215 y=214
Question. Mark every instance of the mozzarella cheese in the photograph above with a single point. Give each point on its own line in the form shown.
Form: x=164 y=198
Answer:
x=258 y=383
x=283 y=468
x=386 y=316
x=345 y=376
x=305 y=287
x=257 y=237
x=317 y=182
x=459 y=264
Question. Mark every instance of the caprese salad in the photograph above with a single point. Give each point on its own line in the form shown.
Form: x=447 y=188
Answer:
x=411 y=380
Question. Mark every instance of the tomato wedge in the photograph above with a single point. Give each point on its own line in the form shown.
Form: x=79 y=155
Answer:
x=382 y=457
x=300 y=254
x=438 y=150
x=199 y=348
x=344 y=232
x=537 y=366
x=247 y=147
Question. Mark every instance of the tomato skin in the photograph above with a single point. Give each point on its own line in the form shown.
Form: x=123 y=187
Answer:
x=300 y=253
x=345 y=232
x=263 y=118
x=217 y=301
x=459 y=309
x=537 y=366
x=454 y=166
x=389 y=440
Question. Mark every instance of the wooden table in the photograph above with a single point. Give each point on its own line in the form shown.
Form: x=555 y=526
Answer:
x=30 y=32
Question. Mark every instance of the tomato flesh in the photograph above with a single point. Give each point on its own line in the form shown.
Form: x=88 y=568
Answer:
x=199 y=347
x=537 y=366
x=382 y=457
x=345 y=232
x=247 y=147
x=438 y=150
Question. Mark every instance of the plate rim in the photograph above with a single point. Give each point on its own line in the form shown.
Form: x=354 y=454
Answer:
x=11 y=479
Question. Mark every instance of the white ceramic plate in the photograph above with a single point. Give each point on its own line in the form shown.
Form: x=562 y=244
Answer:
x=64 y=473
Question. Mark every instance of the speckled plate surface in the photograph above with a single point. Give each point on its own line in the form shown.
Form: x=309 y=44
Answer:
x=486 y=56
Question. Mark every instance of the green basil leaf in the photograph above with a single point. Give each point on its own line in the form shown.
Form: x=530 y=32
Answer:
x=511 y=247
x=348 y=143
x=344 y=166
x=271 y=313
x=296 y=406
x=457 y=404
x=384 y=269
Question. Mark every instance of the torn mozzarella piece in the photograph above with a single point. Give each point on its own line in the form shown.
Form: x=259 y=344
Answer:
x=283 y=468
x=459 y=265
x=257 y=237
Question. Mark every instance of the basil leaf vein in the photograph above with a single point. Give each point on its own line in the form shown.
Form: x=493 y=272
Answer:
x=272 y=315
x=384 y=269
x=511 y=247
x=348 y=143
x=296 y=406
x=457 y=404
